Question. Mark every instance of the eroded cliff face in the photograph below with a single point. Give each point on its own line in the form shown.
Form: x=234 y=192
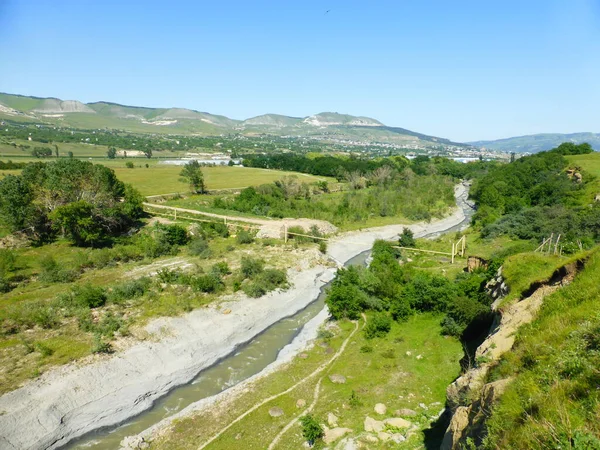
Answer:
x=471 y=397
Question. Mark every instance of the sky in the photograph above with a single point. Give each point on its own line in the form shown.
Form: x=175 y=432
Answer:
x=463 y=70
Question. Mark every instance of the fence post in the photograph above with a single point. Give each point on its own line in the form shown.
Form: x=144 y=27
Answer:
x=175 y=214
x=464 y=245
x=453 y=249
x=285 y=236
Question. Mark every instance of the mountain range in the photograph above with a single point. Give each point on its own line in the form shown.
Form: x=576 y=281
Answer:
x=329 y=126
x=538 y=142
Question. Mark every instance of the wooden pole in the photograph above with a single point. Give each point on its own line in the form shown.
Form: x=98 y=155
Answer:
x=285 y=237
x=464 y=245
x=556 y=244
x=175 y=215
x=453 y=249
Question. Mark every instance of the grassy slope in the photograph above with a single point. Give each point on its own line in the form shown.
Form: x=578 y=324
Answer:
x=387 y=375
x=590 y=163
x=554 y=401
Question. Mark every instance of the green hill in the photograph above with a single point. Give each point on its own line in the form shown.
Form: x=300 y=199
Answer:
x=539 y=142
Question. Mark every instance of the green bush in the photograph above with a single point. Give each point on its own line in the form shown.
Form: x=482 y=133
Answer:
x=199 y=247
x=220 y=269
x=7 y=261
x=101 y=346
x=311 y=429
x=207 y=283
x=244 y=237
x=254 y=289
x=88 y=296
x=43 y=349
x=174 y=234
x=52 y=272
x=379 y=325
x=128 y=290
x=407 y=238
x=250 y=267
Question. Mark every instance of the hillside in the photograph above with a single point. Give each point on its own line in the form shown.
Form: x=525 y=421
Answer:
x=539 y=142
x=326 y=126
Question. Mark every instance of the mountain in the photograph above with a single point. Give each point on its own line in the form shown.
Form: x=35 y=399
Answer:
x=539 y=142
x=328 y=126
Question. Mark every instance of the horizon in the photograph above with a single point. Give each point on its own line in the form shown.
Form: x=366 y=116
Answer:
x=466 y=72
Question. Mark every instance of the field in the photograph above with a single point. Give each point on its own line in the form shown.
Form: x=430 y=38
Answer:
x=164 y=179
x=590 y=163
x=409 y=368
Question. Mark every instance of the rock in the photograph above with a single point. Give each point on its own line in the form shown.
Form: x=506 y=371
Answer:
x=227 y=311
x=419 y=356
x=303 y=355
x=397 y=438
x=300 y=403
x=337 y=378
x=408 y=353
x=373 y=425
x=397 y=422
x=383 y=436
x=238 y=436
x=332 y=420
x=276 y=412
x=422 y=405
x=380 y=408
x=334 y=434
x=406 y=412
x=370 y=438
x=347 y=444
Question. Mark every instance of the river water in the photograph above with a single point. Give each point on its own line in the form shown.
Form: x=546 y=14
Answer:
x=247 y=360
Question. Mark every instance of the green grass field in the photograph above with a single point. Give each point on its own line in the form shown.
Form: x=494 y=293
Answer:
x=590 y=164
x=384 y=370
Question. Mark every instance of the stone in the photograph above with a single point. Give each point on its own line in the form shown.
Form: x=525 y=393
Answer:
x=276 y=411
x=227 y=311
x=397 y=422
x=347 y=444
x=337 y=378
x=334 y=434
x=397 y=438
x=238 y=436
x=383 y=436
x=303 y=355
x=332 y=420
x=300 y=403
x=372 y=425
x=422 y=405
x=380 y=408
x=419 y=356
x=408 y=353
x=406 y=412
x=370 y=438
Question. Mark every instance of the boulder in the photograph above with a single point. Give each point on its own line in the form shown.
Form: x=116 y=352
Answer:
x=347 y=444
x=276 y=411
x=337 y=378
x=372 y=425
x=397 y=422
x=397 y=438
x=300 y=403
x=332 y=420
x=370 y=438
x=334 y=434
x=380 y=408
x=406 y=412
x=383 y=436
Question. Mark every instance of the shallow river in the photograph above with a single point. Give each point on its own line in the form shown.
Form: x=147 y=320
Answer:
x=247 y=360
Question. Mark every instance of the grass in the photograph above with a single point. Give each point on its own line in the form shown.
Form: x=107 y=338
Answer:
x=67 y=342
x=590 y=163
x=164 y=179
x=387 y=375
x=554 y=400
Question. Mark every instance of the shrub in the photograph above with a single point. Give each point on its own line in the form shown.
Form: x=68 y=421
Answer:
x=272 y=278
x=199 y=247
x=207 y=283
x=379 y=325
x=323 y=247
x=311 y=429
x=407 y=238
x=250 y=267
x=220 y=269
x=51 y=272
x=128 y=290
x=101 y=346
x=366 y=349
x=88 y=296
x=175 y=234
x=129 y=165
x=5 y=286
x=254 y=289
x=244 y=237
x=354 y=401
x=7 y=261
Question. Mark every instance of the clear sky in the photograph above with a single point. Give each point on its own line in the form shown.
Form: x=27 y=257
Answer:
x=463 y=70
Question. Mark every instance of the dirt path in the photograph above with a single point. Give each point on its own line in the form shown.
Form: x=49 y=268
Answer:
x=267 y=227
x=318 y=370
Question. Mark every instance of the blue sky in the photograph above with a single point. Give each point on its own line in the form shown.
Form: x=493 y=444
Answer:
x=464 y=70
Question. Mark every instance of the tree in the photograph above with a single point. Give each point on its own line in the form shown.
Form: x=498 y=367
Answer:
x=311 y=429
x=111 y=153
x=147 y=153
x=192 y=174
x=129 y=165
x=77 y=221
x=70 y=154
x=407 y=238
x=41 y=152
x=56 y=150
x=15 y=202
